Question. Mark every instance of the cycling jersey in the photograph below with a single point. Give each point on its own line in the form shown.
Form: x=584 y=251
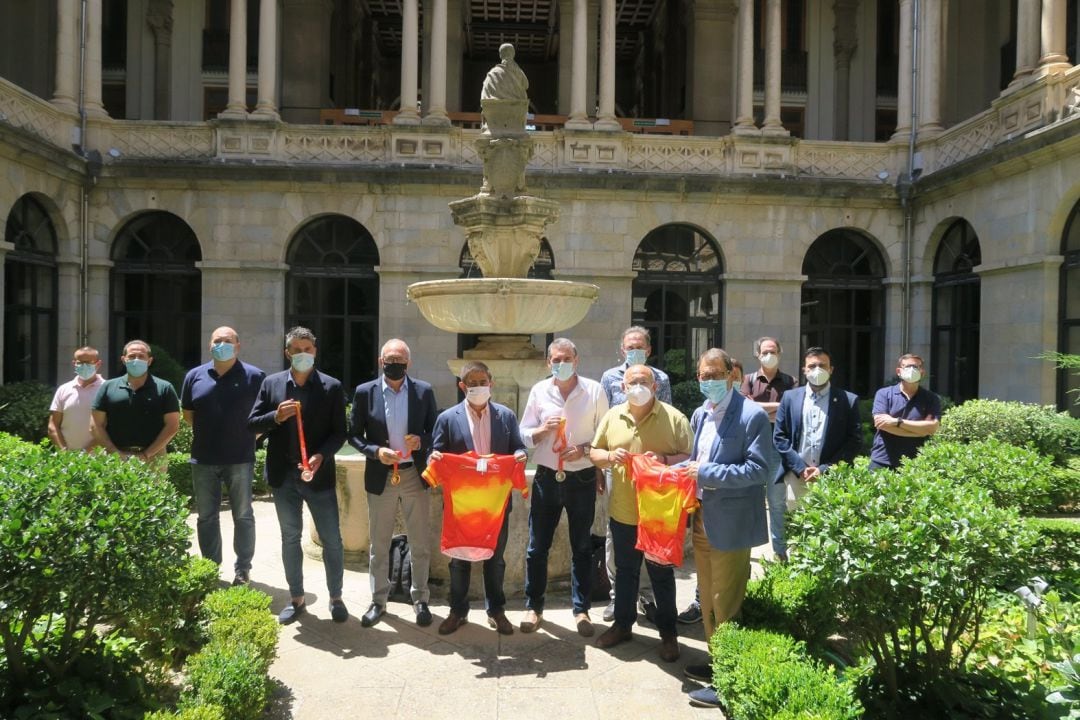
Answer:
x=665 y=495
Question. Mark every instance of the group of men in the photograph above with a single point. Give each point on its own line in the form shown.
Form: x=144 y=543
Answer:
x=755 y=442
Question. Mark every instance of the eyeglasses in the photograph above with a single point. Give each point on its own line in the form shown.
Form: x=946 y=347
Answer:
x=906 y=367
x=713 y=376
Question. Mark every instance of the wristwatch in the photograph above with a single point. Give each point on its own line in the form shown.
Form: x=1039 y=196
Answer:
x=899 y=422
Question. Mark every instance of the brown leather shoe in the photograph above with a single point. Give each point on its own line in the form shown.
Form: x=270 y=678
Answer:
x=530 y=622
x=669 y=648
x=452 y=622
x=501 y=624
x=584 y=625
x=613 y=636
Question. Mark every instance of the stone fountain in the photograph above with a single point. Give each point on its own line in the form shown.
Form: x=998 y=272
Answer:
x=503 y=226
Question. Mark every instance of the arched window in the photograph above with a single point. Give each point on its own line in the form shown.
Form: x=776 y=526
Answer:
x=333 y=289
x=30 y=294
x=678 y=295
x=156 y=288
x=843 y=308
x=1069 y=335
x=954 y=360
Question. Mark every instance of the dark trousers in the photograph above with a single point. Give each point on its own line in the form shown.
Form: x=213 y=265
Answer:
x=627 y=571
x=494 y=570
x=577 y=495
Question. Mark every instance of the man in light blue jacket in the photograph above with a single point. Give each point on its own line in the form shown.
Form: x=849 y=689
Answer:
x=732 y=461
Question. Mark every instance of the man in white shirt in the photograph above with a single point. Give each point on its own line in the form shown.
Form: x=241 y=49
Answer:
x=69 y=414
x=560 y=419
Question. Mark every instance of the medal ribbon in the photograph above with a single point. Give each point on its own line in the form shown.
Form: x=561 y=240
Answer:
x=395 y=476
x=561 y=443
x=303 y=443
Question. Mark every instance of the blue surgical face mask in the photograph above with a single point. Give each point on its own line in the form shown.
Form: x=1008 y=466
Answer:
x=714 y=390
x=302 y=361
x=223 y=351
x=636 y=357
x=562 y=370
x=85 y=370
x=136 y=367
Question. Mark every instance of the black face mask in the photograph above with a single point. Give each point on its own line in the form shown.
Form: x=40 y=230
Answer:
x=394 y=371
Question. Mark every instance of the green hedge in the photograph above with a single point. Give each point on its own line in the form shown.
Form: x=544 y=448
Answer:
x=789 y=601
x=1049 y=432
x=24 y=410
x=759 y=674
x=171 y=630
x=1056 y=555
x=180 y=473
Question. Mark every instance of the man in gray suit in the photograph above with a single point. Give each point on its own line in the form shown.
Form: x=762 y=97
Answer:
x=730 y=460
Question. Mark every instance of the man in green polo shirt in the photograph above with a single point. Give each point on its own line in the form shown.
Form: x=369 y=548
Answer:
x=642 y=424
x=136 y=414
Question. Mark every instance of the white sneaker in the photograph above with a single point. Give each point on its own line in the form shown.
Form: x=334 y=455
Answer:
x=609 y=612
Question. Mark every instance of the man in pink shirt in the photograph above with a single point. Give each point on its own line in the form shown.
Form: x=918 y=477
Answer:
x=69 y=414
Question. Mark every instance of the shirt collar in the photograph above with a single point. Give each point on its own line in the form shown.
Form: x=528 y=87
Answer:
x=822 y=393
x=386 y=387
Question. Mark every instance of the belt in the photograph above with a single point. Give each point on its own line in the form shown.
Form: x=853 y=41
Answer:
x=569 y=473
x=407 y=464
x=132 y=449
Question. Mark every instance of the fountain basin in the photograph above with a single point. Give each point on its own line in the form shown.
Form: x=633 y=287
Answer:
x=503 y=305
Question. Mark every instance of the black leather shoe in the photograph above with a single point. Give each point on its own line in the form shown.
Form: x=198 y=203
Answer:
x=338 y=612
x=423 y=614
x=291 y=612
x=701 y=673
x=372 y=615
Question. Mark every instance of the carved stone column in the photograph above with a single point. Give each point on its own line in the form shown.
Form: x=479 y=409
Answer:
x=744 y=93
x=436 y=94
x=605 y=119
x=67 y=55
x=159 y=16
x=845 y=42
x=410 y=62
x=772 y=124
x=237 y=107
x=1027 y=38
x=1053 y=56
x=904 y=89
x=266 y=108
x=931 y=48
x=579 y=114
x=92 y=71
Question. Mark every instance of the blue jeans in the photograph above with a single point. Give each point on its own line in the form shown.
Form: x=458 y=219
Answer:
x=627 y=570
x=776 y=497
x=323 y=506
x=237 y=479
x=548 y=498
x=494 y=570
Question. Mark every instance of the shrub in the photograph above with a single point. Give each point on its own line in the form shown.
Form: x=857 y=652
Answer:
x=1014 y=476
x=12 y=446
x=167 y=368
x=1056 y=555
x=760 y=674
x=172 y=629
x=255 y=627
x=234 y=601
x=194 y=712
x=24 y=410
x=180 y=474
x=232 y=677
x=909 y=558
x=260 y=485
x=1065 y=487
x=791 y=602
x=686 y=396
x=1069 y=693
x=91 y=538
x=181 y=441
x=1047 y=431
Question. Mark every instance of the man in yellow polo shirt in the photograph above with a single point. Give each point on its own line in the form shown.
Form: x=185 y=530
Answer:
x=642 y=424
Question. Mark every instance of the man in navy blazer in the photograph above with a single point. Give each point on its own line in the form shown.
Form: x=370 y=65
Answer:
x=391 y=422
x=485 y=427
x=318 y=399
x=817 y=426
x=730 y=460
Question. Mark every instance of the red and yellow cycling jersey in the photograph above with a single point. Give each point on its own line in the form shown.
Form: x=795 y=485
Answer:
x=476 y=489
x=665 y=496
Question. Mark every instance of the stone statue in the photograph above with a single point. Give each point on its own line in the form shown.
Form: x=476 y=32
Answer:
x=505 y=81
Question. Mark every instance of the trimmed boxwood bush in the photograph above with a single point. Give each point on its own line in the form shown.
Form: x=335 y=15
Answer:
x=1046 y=430
x=180 y=474
x=11 y=446
x=24 y=410
x=195 y=712
x=1056 y=555
x=789 y=601
x=232 y=677
x=1065 y=487
x=910 y=558
x=759 y=674
x=172 y=629
x=1014 y=476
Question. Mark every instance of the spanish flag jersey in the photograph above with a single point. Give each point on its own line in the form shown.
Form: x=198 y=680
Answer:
x=665 y=495
x=476 y=489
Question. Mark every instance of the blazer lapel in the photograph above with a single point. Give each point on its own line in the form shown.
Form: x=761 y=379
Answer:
x=463 y=426
x=734 y=409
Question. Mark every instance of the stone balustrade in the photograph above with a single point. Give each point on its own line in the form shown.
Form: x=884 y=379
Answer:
x=1039 y=103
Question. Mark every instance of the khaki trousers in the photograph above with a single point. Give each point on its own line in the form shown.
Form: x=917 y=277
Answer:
x=722 y=577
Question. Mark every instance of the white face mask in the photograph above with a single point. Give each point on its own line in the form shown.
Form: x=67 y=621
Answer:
x=478 y=395
x=769 y=360
x=910 y=374
x=639 y=394
x=818 y=376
